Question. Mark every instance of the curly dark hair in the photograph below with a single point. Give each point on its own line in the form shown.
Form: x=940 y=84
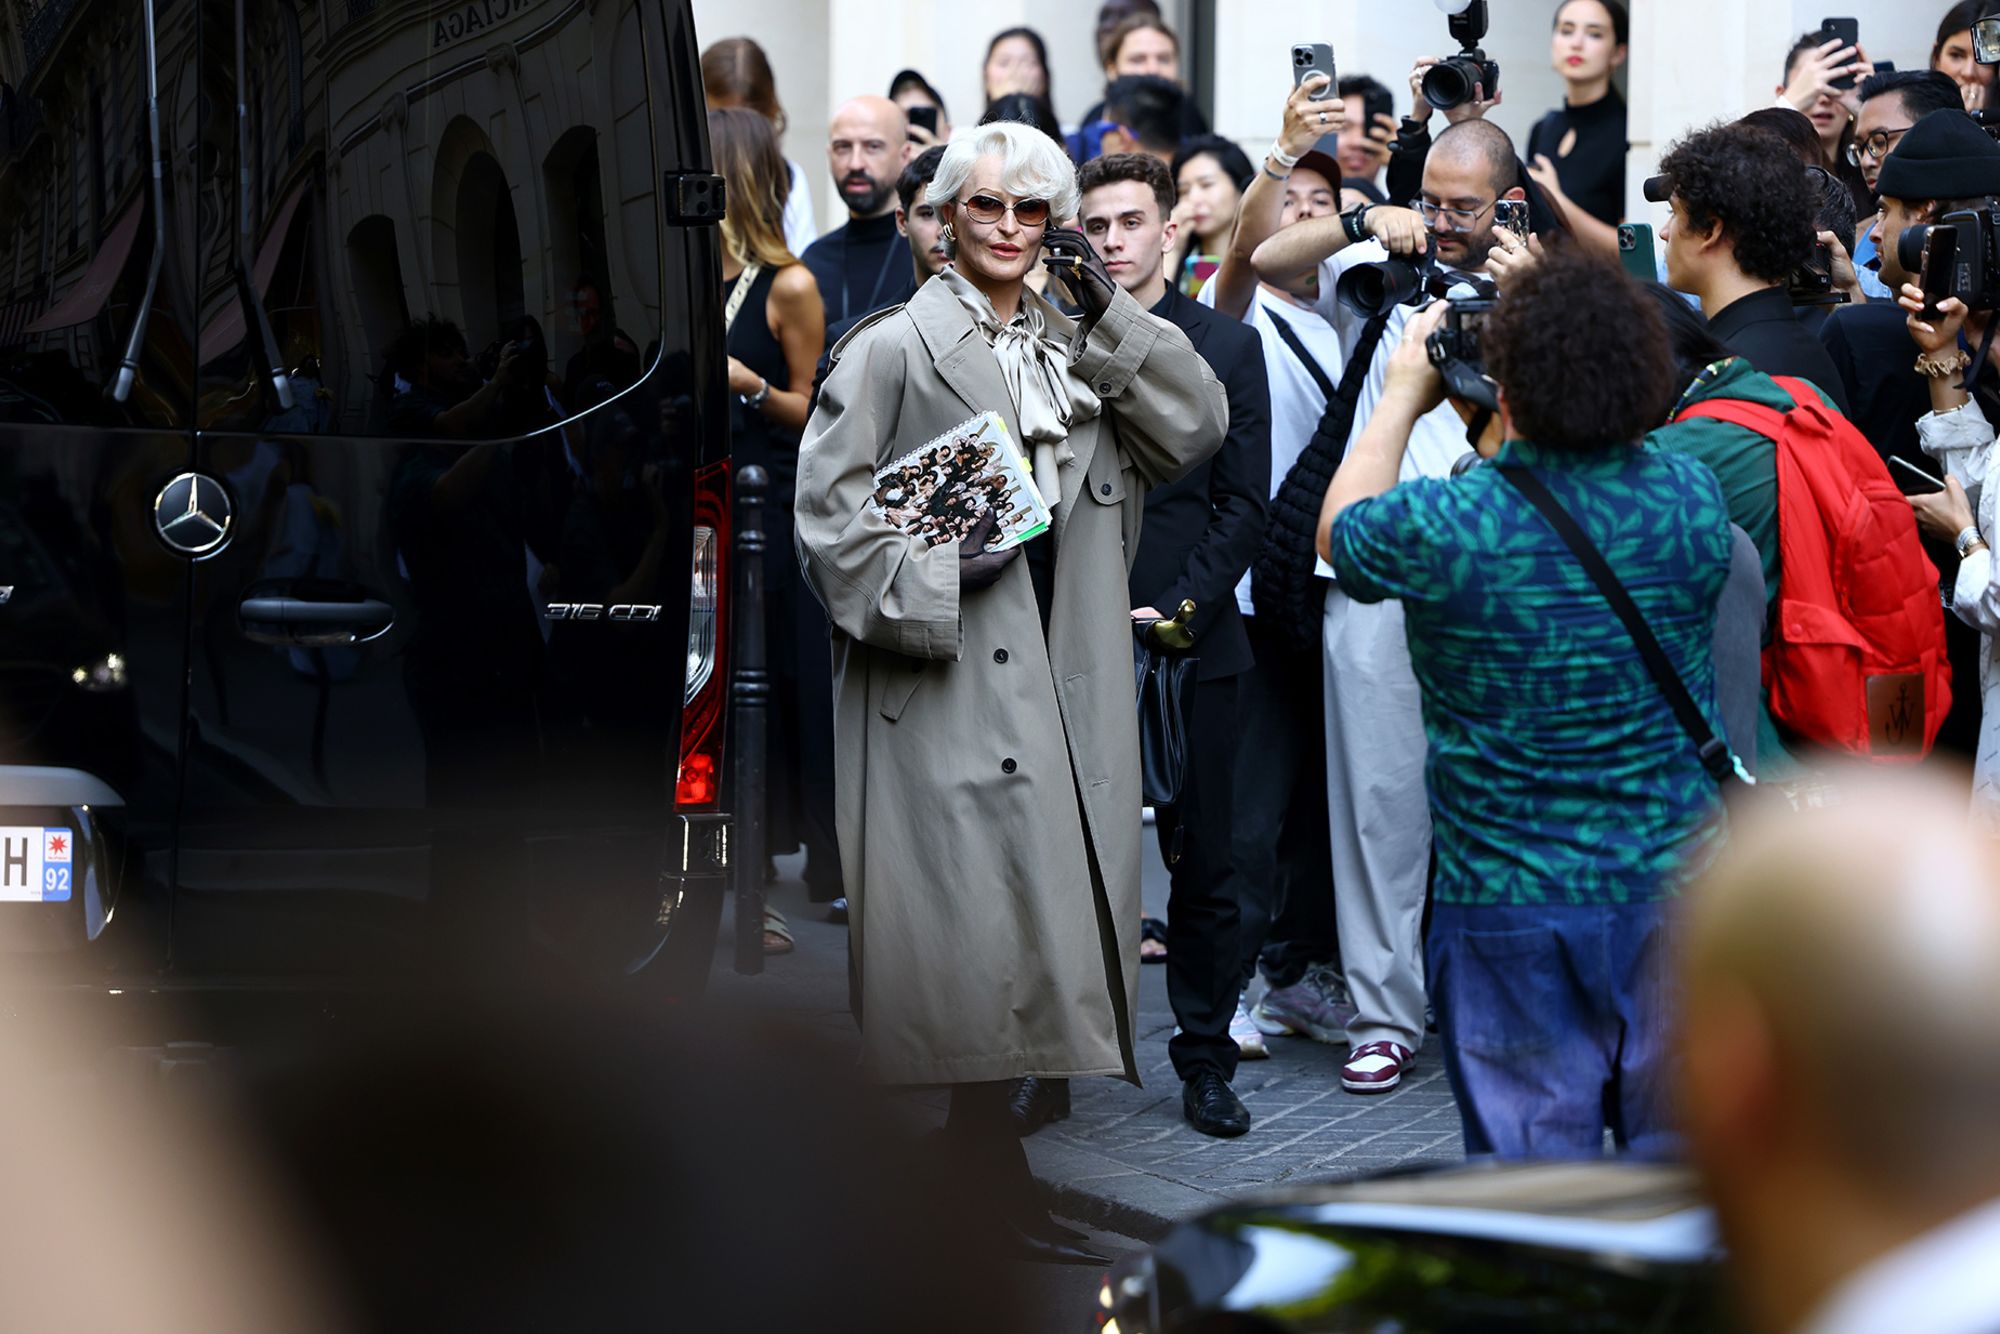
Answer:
x=1580 y=352
x=1750 y=181
x=1143 y=168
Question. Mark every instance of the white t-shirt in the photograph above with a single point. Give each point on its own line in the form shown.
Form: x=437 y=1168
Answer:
x=1439 y=438
x=799 y=229
x=1297 y=403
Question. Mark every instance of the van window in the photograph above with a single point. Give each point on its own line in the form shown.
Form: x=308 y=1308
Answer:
x=453 y=219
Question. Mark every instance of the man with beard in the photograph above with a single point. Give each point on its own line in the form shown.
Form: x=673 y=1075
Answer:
x=864 y=265
x=1379 y=818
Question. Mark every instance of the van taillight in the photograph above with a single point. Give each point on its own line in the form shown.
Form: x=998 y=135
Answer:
x=698 y=783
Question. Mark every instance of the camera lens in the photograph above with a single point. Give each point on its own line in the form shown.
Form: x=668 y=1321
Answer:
x=1370 y=289
x=1448 y=83
x=1910 y=248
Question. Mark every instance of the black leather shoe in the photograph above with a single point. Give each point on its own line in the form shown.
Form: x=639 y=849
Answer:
x=1212 y=1107
x=1036 y=1102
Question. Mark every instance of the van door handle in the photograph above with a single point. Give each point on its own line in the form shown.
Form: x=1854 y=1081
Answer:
x=307 y=623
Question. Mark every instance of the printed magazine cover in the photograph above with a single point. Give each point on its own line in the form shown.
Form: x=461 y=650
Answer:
x=940 y=492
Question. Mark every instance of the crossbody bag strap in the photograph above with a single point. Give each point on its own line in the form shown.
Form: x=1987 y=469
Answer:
x=739 y=294
x=1714 y=751
x=1306 y=358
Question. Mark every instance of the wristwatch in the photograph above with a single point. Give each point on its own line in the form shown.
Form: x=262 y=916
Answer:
x=755 y=402
x=1968 y=538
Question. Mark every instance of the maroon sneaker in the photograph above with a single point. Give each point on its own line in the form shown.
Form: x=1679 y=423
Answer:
x=1376 y=1067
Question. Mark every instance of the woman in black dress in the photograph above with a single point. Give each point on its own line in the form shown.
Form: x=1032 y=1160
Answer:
x=1576 y=153
x=776 y=331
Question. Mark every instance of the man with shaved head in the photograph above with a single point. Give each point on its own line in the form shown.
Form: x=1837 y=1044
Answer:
x=1840 y=1047
x=1379 y=817
x=864 y=265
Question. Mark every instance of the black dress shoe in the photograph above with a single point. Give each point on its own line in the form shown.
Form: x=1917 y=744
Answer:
x=1036 y=1102
x=1212 y=1107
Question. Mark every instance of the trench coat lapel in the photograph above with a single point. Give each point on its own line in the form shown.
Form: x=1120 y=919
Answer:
x=961 y=356
x=966 y=363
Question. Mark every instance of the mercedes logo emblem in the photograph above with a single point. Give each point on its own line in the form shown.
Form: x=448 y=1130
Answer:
x=192 y=514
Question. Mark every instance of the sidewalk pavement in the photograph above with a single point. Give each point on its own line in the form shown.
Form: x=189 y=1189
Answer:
x=1126 y=1160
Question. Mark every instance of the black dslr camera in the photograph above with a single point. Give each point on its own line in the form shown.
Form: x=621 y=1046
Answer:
x=1450 y=83
x=1401 y=280
x=1971 y=263
x=1455 y=349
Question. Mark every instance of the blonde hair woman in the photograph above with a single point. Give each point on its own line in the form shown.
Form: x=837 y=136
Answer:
x=776 y=330
x=986 y=743
x=735 y=72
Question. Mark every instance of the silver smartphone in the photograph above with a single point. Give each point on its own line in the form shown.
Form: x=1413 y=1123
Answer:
x=1314 y=58
x=1918 y=474
x=1513 y=215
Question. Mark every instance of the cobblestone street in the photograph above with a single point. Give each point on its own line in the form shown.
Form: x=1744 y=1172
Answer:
x=1126 y=1159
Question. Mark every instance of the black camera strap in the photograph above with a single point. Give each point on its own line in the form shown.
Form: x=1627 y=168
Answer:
x=1978 y=364
x=1298 y=347
x=1716 y=757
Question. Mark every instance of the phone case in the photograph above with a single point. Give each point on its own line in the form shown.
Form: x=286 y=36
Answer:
x=1314 y=58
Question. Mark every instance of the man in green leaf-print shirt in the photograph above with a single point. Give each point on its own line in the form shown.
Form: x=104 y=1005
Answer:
x=1568 y=803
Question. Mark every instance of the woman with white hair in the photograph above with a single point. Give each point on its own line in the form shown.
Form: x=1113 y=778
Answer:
x=986 y=747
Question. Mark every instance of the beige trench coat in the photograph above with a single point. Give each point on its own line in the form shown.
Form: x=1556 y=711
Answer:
x=987 y=781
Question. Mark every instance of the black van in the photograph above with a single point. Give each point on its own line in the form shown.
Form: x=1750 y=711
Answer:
x=363 y=494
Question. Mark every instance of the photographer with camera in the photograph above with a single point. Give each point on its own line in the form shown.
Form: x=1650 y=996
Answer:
x=1567 y=798
x=1372 y=266
x=1742 y=222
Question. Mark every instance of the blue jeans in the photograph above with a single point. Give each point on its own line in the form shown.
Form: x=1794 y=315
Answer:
x=1555 y=1026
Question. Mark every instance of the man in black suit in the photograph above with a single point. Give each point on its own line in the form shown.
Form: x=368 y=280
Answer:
x=1743 y=221
x=1199 y=536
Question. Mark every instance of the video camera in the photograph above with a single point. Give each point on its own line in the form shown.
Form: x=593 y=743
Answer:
x=1973 y=258
x=1450 y=83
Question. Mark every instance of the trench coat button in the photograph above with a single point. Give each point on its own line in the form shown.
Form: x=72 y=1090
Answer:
x=1008 y=766
x=999 y=655
x=1104 y=388
x=1104 y=489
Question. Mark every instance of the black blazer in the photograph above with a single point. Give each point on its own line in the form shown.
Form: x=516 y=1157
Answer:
x=1201 y=532
x=1763 y=330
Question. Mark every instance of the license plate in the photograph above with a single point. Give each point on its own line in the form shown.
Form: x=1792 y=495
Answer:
x=35 y=864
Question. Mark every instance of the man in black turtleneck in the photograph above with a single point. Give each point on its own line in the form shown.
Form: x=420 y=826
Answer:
x=864 y=265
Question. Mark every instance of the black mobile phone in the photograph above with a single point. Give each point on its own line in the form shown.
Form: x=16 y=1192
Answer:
x=1314 y=58
x=927 y=117
x=1635 y=251
x=1848 y=33
x=1377 y=103
x=1915 y=473
x=1940 y=259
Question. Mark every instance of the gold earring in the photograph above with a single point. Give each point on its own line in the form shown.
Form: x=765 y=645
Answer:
x=945 y=233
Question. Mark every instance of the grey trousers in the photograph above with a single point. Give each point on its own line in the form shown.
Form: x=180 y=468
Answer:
x=1378 y=815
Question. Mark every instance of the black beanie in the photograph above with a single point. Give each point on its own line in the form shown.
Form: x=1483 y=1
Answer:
x=1944 y=156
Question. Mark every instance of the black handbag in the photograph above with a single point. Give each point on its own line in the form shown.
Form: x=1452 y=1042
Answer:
x=1164 y=674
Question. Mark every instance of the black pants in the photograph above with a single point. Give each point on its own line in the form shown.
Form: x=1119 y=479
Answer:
x=1195 y=839
x=1283 y=859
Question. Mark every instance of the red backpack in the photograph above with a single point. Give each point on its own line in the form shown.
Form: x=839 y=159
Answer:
x=1856 y=661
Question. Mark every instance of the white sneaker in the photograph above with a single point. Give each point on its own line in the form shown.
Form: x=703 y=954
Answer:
x=1249 y=1040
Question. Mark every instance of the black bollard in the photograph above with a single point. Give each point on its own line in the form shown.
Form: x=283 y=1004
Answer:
x=749 y=724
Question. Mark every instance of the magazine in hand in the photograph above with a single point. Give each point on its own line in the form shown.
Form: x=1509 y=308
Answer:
x=940 y=492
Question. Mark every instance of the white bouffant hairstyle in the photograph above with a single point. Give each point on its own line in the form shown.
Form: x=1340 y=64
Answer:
x=1032 y=166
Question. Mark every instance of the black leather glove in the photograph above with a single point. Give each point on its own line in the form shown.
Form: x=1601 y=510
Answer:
x=1072 y=258
x=978 y=567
